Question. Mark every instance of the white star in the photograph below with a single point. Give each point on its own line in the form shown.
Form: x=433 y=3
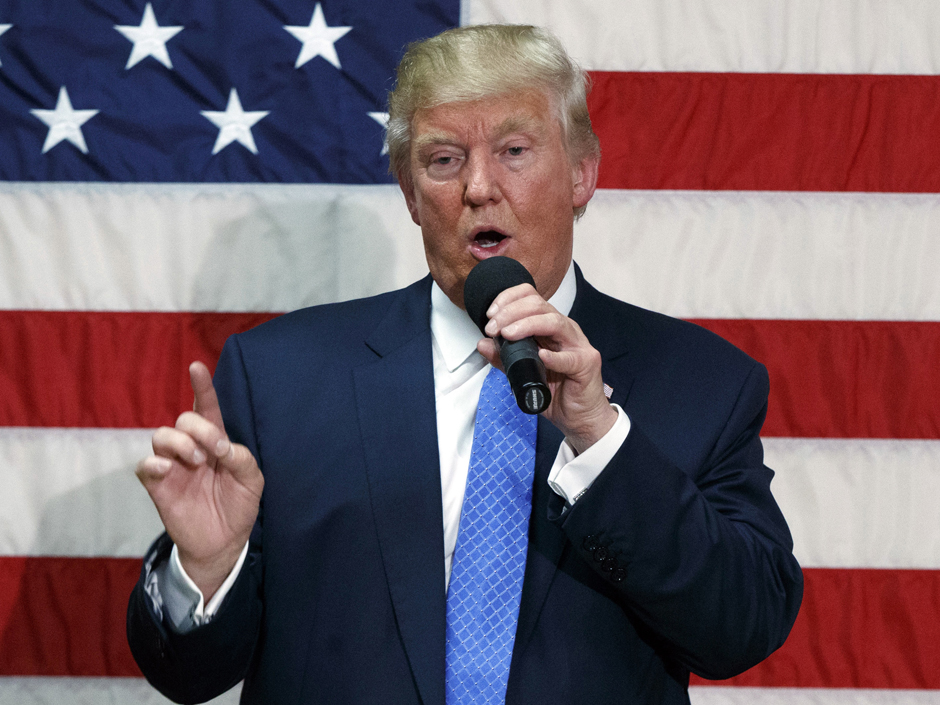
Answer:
x=4 y=28
x=317 y=39
x=64 y=123
x=382 y=119
x=149 y=39
x=234 y=124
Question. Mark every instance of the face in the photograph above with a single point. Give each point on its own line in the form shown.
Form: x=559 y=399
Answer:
x=492 y=177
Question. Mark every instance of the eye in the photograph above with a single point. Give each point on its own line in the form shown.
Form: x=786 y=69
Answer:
x=516 y=151
x=443 y=163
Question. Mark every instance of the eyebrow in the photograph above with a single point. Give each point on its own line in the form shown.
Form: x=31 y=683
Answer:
x=432 y=139
x=507 y=127
x=518 y=124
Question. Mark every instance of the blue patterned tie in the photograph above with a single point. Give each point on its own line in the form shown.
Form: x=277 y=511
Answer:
x=489 y=560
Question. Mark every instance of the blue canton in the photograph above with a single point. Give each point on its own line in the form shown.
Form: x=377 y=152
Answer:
x=292 y=91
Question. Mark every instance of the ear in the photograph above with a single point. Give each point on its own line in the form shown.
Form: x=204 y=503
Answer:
x=584 y=178
x=407 y=186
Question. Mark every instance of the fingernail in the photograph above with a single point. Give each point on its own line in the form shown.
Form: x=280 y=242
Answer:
x=163 y=464
x=490 y=328
x=222 y=448
x=199 y=457
x=491 y=311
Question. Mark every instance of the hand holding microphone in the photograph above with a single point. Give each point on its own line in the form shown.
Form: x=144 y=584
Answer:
x=520 y=358
x=559 y=371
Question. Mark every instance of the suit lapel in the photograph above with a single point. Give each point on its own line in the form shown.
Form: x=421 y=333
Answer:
x=546 y=540
x=395 y=398
x=606 y=330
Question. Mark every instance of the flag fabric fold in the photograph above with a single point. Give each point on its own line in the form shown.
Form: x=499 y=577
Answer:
x=174 y=172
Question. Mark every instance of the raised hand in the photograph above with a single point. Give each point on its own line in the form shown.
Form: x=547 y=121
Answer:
x=206 y=489
x=579 y=408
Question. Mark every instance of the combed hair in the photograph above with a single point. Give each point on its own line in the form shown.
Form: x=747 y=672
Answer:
x=470 y=63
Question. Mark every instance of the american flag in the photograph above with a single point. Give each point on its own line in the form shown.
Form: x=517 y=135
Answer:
x=174 y=171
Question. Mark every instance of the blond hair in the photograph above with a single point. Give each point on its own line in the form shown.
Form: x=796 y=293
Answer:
x=470 y=63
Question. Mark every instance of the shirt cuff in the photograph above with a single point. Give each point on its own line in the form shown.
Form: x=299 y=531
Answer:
x=572 y=474
x=183 y=601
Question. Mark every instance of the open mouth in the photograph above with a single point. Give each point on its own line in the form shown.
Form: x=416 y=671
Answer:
x=488 y=238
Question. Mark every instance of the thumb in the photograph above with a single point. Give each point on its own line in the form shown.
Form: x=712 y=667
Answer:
x=206 y=403
x=488 y=349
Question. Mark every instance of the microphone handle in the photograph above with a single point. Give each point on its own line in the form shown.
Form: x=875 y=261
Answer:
x=526 y=374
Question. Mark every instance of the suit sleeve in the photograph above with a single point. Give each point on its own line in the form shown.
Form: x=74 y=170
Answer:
x=702 y=557
x=203 y=663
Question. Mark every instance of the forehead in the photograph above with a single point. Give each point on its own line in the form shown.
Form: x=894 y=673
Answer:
x=531 y=112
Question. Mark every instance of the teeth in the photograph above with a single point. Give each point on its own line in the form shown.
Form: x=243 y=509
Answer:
x=489 y=238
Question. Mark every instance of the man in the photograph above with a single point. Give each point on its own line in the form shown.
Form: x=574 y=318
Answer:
x=654 y=547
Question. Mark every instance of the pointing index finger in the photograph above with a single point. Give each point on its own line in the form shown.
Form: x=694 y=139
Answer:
x=206 y=403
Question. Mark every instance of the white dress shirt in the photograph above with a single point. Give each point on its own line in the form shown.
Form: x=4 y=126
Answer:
x=459 y=371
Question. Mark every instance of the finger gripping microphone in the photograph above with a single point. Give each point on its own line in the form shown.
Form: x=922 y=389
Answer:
x=520 y=358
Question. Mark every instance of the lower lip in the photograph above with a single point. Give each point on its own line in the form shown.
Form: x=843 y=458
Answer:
x=481 y=253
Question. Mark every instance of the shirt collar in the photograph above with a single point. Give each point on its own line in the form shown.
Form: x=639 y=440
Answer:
x=456 y=335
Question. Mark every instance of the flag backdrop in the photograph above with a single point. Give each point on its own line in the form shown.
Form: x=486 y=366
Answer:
x=176 y=171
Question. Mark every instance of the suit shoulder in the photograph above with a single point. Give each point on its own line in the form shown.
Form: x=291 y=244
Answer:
x=341 y=321
x=652 y=333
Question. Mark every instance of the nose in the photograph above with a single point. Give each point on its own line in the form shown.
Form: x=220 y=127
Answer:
x=482 y=180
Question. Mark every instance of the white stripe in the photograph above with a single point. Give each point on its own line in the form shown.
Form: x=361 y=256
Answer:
x=849 y=503
x=765 y=254
x=276 y=248
x=723 y=695
x=793 y=36
x=89 y=691
x=136 y=691
x=854 y=503
x=239 y=247
x=73 y=492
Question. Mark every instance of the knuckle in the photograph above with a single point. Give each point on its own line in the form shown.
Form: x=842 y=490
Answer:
x=241 y=455
x=592 y=357
x=162 y=437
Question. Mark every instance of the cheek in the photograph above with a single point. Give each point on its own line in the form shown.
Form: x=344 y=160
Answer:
x=546 y=192
x=439 y=205
x=440 y=231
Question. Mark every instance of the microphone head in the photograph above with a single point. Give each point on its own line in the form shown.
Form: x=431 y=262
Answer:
x=487 y=280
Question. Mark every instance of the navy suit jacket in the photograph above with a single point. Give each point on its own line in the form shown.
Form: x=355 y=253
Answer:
x=677 y=559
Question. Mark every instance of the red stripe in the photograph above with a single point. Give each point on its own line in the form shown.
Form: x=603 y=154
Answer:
x=65 y=616
x=105 y=369
x=829 y=379
x=777 y=132
x=845 y=379
x=858 y=629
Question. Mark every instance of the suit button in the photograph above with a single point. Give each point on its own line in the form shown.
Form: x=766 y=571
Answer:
x=601 y=553
x=618 y=575
x=590 y=543
x=608 y=565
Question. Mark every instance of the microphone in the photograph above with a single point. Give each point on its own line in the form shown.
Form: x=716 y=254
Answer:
x=520 y=358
